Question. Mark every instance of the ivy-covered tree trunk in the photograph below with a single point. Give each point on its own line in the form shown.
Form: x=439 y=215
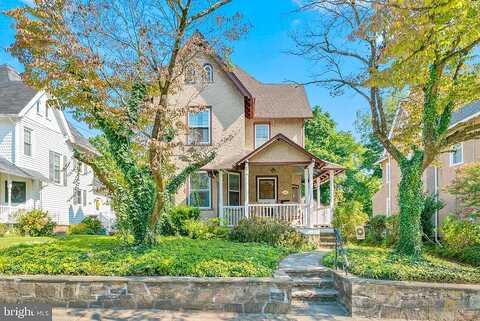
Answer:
x=411 y=204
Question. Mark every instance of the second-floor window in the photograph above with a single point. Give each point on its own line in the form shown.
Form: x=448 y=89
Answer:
x=456 y=157
x=55 y=167
x=27 y=141
x=199 y=127
x=262 y=134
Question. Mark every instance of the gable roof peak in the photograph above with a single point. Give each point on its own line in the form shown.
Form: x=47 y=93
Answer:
x=8 y=74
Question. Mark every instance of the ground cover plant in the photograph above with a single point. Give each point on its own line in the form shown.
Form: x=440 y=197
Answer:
x=385 y=264
x=106 y=255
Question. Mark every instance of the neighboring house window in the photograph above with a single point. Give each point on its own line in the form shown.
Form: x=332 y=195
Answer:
x=47 y=111
x=233 y=189
x=77 y=196
x=84 y=198
x=190 y=75
x=267 y=189
x=55 y=168
x=200 y=190
x=38 y=107
x=19 y=192
x=27 y=141
x=208 y=70
x=85 y=169
x=199 y=127
x=456 y=157
x=262 y=134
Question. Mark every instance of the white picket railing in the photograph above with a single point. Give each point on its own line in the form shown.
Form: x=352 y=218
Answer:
x=9 y=214
x=321 y=217
x=295 y=214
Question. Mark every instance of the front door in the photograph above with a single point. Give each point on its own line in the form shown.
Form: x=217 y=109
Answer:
x=267 y=189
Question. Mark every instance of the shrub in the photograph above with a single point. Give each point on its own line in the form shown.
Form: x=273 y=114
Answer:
x=459 y=233
x=392 y=234
x=35 y=223
x=3 y=229
x=94 y=225
x=431 y=205
x=262 y=230
x=376 y=229
x=173 y=222
x=469 y=255
x=205 y=230
x=348 y=215
x=88 y=226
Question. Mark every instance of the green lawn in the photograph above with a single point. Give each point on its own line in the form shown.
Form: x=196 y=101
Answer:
x=105 y=255
x=17 y=240
x=383 y=263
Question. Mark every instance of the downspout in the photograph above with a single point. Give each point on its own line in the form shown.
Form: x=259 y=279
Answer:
x=435 y=176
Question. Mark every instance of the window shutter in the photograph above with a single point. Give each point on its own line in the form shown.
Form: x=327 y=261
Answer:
x=65 y=167
x=75 y=196
x=50 y=165
x=84 y=202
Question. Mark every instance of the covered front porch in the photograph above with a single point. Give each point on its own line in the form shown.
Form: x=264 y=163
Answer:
x=279 y=180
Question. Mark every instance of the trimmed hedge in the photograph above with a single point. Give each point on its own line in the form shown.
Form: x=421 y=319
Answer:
x=469 y=255
x=35 y=223
x=381 y=263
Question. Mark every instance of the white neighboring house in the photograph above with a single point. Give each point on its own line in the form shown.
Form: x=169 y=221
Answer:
x=37 y=168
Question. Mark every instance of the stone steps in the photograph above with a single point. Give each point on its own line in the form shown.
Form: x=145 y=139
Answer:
x=317 y=309
x=302 y=283
x=308 y=272
x=315 y=294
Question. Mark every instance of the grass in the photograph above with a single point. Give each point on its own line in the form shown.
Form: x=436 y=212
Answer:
x=106 y=255
x=383 y=263
x=10 y=241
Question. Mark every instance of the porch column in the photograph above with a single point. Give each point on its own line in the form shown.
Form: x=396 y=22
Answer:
x=310 y=193
x=331 y=174
x=318 y=192
x=246 y=183
x=307 y=206
x=220 y=196
x=9 y=192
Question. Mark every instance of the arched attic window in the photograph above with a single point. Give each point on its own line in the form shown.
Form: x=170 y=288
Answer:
x=208 y=73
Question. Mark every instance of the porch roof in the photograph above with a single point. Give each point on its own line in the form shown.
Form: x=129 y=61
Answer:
x=8 y=167
x=321 y=167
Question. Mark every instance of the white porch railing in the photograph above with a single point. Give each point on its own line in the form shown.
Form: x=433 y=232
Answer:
x=9 y=214
x=295 y=214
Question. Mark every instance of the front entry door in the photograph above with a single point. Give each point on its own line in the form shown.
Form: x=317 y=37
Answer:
x=267 y=189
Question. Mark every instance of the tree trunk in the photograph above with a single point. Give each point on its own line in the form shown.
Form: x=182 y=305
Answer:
x=411 y=205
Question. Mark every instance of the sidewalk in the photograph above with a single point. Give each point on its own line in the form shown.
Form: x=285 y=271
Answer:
x=151 y=315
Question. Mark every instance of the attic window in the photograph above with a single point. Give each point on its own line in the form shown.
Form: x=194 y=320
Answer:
x=190 y=75
x=208 y=73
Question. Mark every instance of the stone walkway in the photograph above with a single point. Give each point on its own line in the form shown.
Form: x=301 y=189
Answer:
x=303 y=260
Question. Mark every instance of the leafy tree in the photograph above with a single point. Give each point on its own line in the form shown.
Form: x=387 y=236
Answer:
x=120 y=66
x=424 y=49
x=466 y=187
x=323 y=140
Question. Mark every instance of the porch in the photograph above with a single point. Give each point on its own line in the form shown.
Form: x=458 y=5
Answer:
x=279 y=180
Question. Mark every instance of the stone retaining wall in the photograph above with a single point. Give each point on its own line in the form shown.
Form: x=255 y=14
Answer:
x=255 y=295
x=408 y=300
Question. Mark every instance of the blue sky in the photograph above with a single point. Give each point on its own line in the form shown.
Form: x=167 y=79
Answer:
x=261 y=52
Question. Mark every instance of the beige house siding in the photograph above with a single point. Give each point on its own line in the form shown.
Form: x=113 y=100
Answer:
x=292 y=128
x=446 y=174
